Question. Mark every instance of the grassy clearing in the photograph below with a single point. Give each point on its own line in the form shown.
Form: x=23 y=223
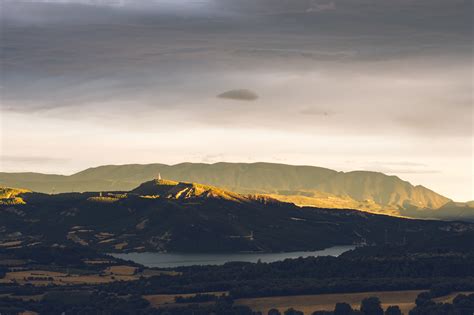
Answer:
x=122 y=270
x=310 y=303
x=160 y=300
x=450 y=297
x=43 y=277
x=321 y=302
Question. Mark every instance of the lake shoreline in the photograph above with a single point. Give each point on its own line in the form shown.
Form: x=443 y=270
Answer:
x=176 y=259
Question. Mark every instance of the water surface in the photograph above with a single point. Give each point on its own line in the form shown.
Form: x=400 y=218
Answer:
x=165 y=260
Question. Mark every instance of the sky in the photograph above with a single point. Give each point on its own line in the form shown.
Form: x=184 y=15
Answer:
x=377 y=85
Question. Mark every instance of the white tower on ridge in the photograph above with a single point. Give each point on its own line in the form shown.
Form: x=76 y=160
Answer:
x=159 y=176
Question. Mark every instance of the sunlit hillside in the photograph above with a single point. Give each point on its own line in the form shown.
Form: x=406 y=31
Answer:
x=10 y=196
x=306 y=185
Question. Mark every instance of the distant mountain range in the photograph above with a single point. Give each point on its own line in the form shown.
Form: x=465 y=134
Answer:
x=302 y=185
x=162 y=215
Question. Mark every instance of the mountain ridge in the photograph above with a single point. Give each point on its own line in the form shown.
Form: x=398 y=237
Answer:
x=363 y=190
x=163 y=215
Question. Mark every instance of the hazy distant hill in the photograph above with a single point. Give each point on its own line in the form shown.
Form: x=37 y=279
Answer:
x=161 y=215
x=305 y=185
x=450 y=211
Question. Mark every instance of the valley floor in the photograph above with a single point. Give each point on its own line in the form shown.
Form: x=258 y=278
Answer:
x=405 y=299
x=325 y=302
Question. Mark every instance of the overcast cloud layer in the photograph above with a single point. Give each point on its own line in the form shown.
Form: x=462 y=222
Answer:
x=369 y=84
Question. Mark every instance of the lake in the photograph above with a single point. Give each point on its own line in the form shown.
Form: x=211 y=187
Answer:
x=165 y=260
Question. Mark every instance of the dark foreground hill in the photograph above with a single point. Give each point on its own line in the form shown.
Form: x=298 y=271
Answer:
x=302 y=185
x=170 y=216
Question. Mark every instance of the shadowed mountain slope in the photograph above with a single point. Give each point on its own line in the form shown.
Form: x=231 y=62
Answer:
x=162 y=215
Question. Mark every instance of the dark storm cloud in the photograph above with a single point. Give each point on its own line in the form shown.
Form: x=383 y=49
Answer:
x=239 y=95
x=172 y=55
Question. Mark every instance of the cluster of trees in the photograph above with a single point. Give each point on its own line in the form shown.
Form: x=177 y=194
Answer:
x=462 y=305
x=78 y=303
x=369 y=306
x=366 y=269
x=313 y=276
x=104 y=303
x=59 y=256
x=198 y=298
x=355 y=264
